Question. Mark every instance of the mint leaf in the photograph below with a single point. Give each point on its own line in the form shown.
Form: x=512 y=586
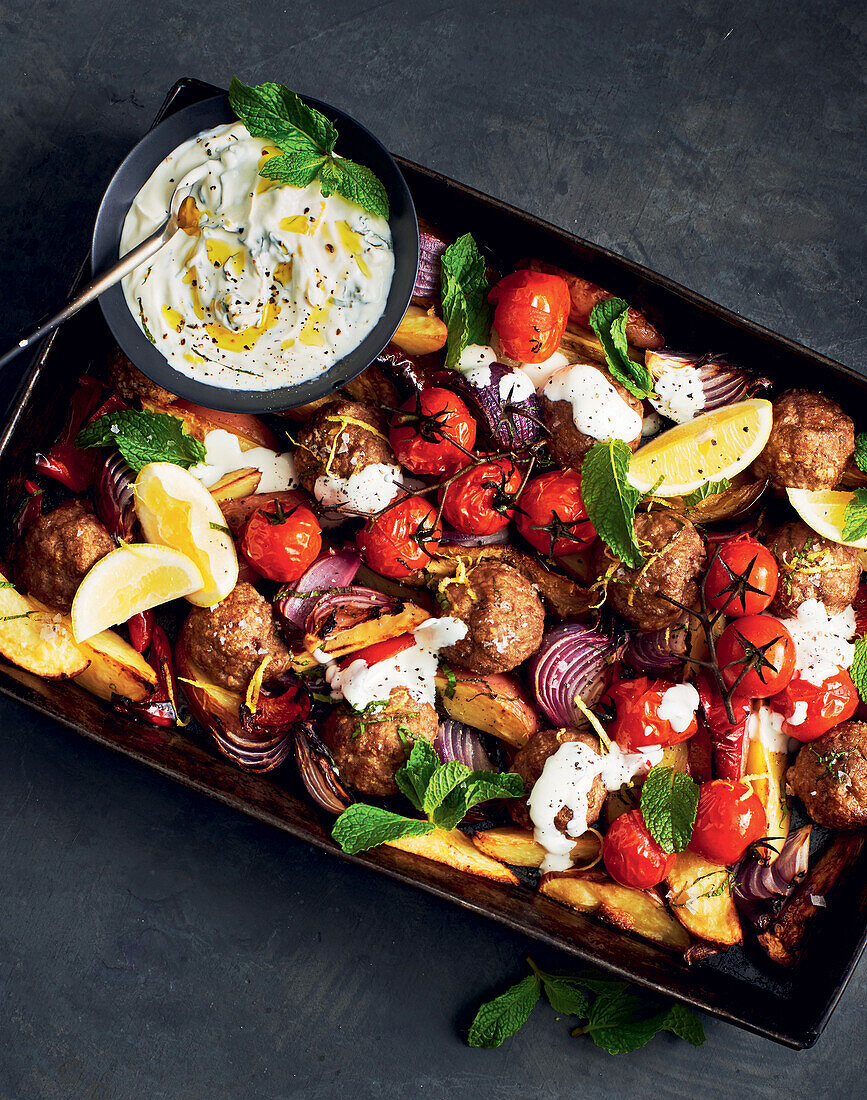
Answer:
x=855 y=517
x=669 y=800
x=360 y=185
x=683 y=1022
x=360 y=827
x=860 y=454
x=464 y=297
x=496 y=1020
x=710 y=489
x=143 y=437
x=413 y=778
x=272 y=112
x=564 y=992
x=608 y=321
x=623 y=1022
x=610 y=500
x=477 y=787
x=858 y=668
x=444 y=780
x=299 y=169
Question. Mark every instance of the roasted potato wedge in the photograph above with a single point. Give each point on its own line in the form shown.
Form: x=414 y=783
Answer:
x=700 y=897
x=420 y=332
x=236 y=485
x=455 y=849
x=638 y=911
x=214 y=707
x=511 y=844
x=36 y=639
x=387 y=624
x=116 y=668
x=769 y=769
x=373 y=387
x=493 y=704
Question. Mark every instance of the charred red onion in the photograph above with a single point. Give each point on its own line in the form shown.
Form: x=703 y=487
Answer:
x=430 y=249
x=515 y=422
x=658 y=650
x=458 y=538
x=335 y=569
x=343 y=607
x=721 y=382
x=572 y=660
x=760 y=887
x=455 y=741
x=317 y=770
x=115 y=500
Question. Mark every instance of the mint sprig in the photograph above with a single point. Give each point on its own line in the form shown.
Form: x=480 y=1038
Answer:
x=669 y=800
x=617 y=1018
x=709 y=489
x=608 y=320
x=610 y=500
x=858 y=668
x=442 y=792
x=306 y=139
x=143 y=437
x=466 y=311
x=855 y=517
x=860 y=454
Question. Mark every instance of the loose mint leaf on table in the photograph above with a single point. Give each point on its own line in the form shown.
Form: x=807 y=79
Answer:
x=143 y=437
x=669 y=800
x=610 y=500
x=860 y=455
x=565 y=992
x=500 y=1018
x=608 y=320
x=711 y=488
x=466 y=311
x=858 y=668
x=855 y=517
x=360 y=827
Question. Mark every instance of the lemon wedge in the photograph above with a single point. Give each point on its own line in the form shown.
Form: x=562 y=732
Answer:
x=824 y=511
x=176 y=510
x=718 y=444
x=130 y=579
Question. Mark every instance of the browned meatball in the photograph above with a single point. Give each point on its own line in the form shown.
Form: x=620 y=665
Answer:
x=529 y=762
x=340 y=439
x=504 y=616
x=370 y=747
x=675 y=558
x=810 y=442
x=56 y=551
x=130 y=383
x=567 y=444
x=812 y=568
x=227 y=643
x=830 y=777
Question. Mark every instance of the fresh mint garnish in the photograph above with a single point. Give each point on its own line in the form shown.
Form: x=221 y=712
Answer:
x=860 y=454
x=669 y=800
x=465 y=297
x=855 y=517
x=610 y=500
x=360 y=827
x=306 y=139
x=709 y=489
x=626 y=1021
x=143 y=437
x=858 y=668
x=500 y=1018
x=608 y=321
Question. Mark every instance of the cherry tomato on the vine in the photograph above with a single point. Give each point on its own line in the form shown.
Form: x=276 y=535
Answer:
x=638 y=721
x=531 y=312
x=282 y=541
x=730 y=817
x=810 y=710
x=551 y=514
x=433 y=433
x=742 y=579
x=757 y=653
x=631 y=855
x=480 y=501
x=401 y=539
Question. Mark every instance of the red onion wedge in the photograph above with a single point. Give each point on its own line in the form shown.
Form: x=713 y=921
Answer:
x=334 y=569
x=721 y=382
x=431 y=245
x=317 y=770
x=514 y=422
x=659 y=650
x=457 y=538
x=760 y=887
x=343 y=608
x=455 y=741
x=572 y=660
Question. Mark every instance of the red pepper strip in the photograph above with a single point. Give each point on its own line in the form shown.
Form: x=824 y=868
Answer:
x=64 y=462
x=30 y=507
x=160 y=709
x=276 y=712
x=141 y=629
x=729 y=742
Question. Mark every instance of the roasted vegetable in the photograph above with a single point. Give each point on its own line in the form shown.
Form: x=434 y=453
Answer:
x=511 y=844
x=455 y=849
x=493 y=704
x=700 y=896
x=420 y=332
x=36 y=639
x=236 y=485
x=116 y=669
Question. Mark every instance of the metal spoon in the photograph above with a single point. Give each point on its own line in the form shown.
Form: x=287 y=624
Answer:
x=186 y=217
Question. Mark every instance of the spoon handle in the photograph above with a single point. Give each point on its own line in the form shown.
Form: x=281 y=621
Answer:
x=94 y=288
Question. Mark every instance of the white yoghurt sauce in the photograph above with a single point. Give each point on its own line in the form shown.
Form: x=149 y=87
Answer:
x=598 y=410
x=538 y=373
x=275 y=285
x=681 y=393
x=678 y=706
x=766 y=725
x=822 y=644
x=475 y=363
x=516 y=386
x=566 y=780
x=368 y=490
x=415 y=668
x=223 y=455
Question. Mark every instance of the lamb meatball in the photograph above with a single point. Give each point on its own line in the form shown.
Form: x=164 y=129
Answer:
x=810 y=442
x=370 y=748
x=341 y=439
x=529 y=762
x=56 y=551
x=227 y=643
x=675 y=555
x=504 y=616
x=812 y=568
x=567 y=443
x=131 y=384
x=830 y=777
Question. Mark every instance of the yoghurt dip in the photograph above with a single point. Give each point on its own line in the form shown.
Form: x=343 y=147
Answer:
x=274 y=285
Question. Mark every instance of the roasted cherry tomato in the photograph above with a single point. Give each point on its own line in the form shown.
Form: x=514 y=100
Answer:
x=401 y=539
x=644 y=716
x=810 y=710
x=282 y=542
x=380 y=651
x=480 y=501
x=552 y=516
x=730 y=817
x=433 y=433
x=757 y=653
x=532 y=309
x=742 y=579
x=631 y=855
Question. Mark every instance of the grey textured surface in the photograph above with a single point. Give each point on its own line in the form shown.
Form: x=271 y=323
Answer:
x=153 y=944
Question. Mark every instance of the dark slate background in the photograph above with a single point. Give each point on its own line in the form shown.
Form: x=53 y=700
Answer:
x=153 y=944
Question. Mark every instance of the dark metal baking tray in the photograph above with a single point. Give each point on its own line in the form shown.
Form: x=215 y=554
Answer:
x=742 y=988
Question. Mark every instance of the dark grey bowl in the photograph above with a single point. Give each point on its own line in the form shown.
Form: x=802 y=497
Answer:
x=355 y=142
